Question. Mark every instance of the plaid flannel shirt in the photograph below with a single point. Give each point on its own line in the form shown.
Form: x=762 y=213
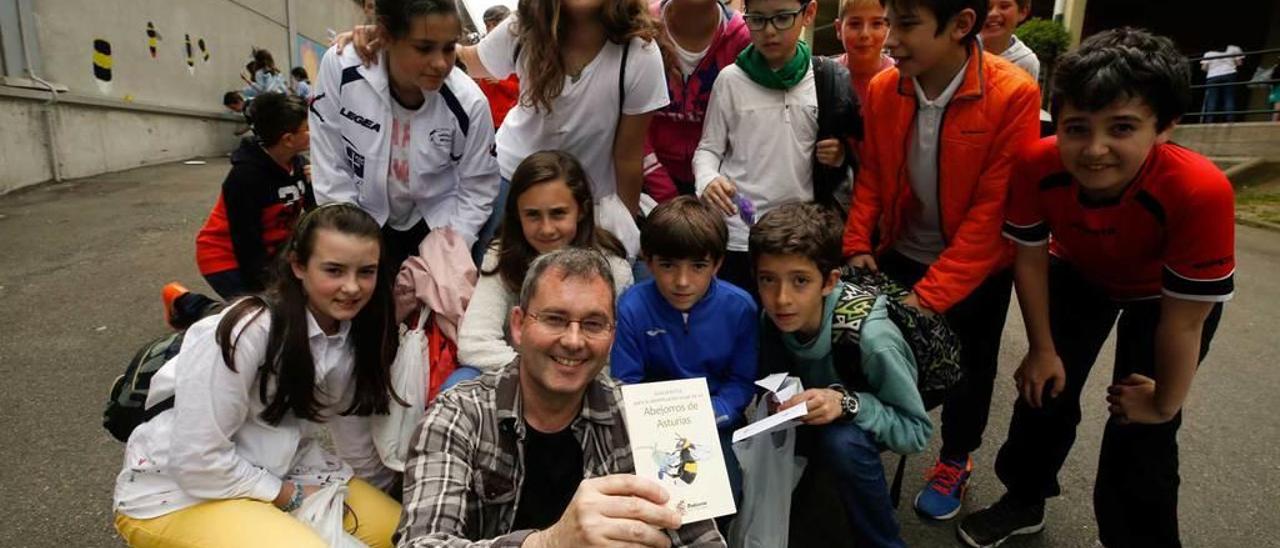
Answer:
x=466 y=464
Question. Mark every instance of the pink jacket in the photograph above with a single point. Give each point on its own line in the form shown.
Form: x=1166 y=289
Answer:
x=677 y=128
x=442 y=278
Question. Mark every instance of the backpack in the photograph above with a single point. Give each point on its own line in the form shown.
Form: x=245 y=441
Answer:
x=935 y=346
x=125 y=404
x=838 y=118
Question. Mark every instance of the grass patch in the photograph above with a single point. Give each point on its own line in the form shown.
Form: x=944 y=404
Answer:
x=1259 y=203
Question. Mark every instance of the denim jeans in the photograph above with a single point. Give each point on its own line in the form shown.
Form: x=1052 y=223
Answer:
x=1220 y=99
x=853 y=457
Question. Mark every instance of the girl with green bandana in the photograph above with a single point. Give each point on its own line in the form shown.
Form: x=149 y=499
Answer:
x=760 y=135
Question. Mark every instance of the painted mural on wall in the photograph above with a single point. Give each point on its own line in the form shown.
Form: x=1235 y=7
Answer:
x=191 y=61
x=311 y=53
x=102 y=64
x=153 y=39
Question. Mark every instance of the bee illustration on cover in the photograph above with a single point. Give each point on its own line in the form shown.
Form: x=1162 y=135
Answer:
x=681 y=462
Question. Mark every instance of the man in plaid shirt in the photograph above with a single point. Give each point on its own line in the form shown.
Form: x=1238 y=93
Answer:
x=537 y=454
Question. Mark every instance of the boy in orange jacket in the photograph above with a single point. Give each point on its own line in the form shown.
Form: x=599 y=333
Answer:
x=935 y=172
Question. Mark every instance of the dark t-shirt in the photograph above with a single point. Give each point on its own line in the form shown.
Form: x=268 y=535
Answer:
x=553 y=469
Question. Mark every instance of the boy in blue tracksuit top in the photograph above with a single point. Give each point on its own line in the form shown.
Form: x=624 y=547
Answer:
x=685 y=323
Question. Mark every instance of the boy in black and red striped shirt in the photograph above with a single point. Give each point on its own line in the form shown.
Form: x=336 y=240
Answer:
x=1112 y=220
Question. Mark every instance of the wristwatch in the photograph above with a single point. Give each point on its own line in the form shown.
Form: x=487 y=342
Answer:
x=848 y=403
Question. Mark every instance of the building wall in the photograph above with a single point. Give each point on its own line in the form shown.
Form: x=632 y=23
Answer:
x=1242 y=140
x=153 y=109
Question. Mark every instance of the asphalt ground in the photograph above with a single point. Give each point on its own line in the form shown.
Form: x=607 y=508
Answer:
x=82 y=264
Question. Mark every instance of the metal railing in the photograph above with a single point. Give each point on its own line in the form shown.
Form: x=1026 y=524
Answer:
x=1206 y=114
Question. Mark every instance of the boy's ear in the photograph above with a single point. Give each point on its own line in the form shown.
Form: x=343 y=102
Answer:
x=715 y=267
x=963 y=22
x=810 y=12
x=1166 y=135
x=829 y=284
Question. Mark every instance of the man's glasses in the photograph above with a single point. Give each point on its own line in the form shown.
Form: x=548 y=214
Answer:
x=558 y=324
x=781 y=21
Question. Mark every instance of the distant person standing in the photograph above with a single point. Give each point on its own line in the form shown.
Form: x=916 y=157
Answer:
x=1220 y=69
x=1274 y=99
x=1003 y=18
x=236 y=103
x=263 y=76
x=301 y=83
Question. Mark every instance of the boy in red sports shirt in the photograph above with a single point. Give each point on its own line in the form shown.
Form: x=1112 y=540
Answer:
x=1112 y=220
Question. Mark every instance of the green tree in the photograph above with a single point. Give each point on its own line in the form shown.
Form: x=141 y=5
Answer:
x=1048 y=39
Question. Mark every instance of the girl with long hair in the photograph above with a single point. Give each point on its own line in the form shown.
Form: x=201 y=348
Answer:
x=251 y=388
x=263 y=76
x=591 y=77
x=550 y=207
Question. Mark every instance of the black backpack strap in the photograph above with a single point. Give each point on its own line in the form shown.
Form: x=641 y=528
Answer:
x=895 y=492
x=825 y=88
x=826 y=179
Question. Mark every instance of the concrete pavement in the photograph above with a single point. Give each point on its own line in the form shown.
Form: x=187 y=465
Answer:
x=82 y=263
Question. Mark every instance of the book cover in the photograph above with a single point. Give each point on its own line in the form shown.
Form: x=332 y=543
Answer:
x=674 y=441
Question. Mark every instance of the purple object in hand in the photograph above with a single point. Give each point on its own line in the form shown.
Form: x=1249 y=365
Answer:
x=746 y=209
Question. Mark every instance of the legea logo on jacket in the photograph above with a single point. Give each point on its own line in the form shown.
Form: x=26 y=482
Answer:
x=361 y=120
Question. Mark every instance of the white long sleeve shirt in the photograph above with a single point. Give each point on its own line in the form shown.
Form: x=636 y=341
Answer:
x=483 y=341
x=453 y=175
x=214 y=445
x=762 y=140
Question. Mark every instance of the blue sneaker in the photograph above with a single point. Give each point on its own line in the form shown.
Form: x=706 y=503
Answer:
x=941 y=497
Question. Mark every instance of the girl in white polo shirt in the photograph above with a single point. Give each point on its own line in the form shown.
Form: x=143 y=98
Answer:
x=251 y=388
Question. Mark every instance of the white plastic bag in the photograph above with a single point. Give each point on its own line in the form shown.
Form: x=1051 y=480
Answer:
x=770 y=472
x=392 y=432
x=323 y=510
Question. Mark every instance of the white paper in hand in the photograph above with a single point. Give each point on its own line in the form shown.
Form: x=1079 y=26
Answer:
x=782 y=388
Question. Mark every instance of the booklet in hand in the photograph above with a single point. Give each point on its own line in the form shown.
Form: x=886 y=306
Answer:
x=674 y=441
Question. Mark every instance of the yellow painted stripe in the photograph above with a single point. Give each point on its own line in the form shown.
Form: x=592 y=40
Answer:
x=101 y=60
